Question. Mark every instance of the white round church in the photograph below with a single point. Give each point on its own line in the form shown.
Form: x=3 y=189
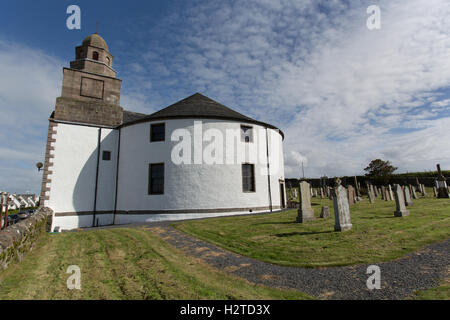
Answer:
x=193 y=159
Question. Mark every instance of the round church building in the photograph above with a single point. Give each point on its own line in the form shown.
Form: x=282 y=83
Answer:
x=193 y=159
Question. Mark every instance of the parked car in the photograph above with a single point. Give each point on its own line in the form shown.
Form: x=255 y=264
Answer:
x=13 y=218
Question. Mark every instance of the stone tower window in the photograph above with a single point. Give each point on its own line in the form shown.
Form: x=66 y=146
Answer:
x=95 y=55
x=108 y=61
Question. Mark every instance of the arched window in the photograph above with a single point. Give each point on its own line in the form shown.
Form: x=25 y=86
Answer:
x=95 y=55
x=108 y=61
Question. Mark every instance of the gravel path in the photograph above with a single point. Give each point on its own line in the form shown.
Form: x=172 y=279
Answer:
x=399 y=278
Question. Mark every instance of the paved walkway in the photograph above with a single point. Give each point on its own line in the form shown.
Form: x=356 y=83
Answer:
x=399 y=278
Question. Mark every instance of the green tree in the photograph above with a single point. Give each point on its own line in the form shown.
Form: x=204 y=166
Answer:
x=380 y=171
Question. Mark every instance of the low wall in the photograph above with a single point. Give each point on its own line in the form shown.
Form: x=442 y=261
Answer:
x=18 y=239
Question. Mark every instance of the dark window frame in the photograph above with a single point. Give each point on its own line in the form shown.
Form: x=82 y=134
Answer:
x=152 y=137
x=104 y=153
x=242 y=133
x=95 y=56
x=150 y=191
x=253 y=181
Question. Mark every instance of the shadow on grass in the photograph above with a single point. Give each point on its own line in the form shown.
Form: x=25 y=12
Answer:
x=290 y=234
x=370 y=218
x=277 y=222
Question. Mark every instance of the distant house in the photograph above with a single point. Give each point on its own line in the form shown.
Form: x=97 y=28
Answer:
x=106 y=165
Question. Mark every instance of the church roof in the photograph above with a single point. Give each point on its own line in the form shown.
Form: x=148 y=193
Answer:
x=96 y=41
x=196 y=106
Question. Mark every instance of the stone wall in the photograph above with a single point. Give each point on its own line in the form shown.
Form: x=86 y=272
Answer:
x=18 y=239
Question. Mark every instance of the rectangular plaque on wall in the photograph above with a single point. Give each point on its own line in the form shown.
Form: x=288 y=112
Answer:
x=92 y=88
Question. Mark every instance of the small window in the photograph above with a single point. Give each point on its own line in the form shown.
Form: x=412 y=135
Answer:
x=106 y=155
x=157 y=132
x=108 y=61
x=248 y=177
x=246 y=134
x=95 y=55
x=156 y=178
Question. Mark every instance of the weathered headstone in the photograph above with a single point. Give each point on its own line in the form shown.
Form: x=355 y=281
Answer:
x=357 y=192
x=424 y=192
x=351 y=195
x=391 y=194
x=375 y=191
x=325 y=213
x=407 y=195
x=370 y=193
x=305 y=212
x=400 y=202
x=413 y=192
x=441 y=184
x=383 y=193
x=341 y=208
x=435 y=192
x=321 y=192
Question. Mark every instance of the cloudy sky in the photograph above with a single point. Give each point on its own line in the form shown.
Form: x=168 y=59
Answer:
x=342 y=94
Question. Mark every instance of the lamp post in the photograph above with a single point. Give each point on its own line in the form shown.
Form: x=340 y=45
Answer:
x=39 y=166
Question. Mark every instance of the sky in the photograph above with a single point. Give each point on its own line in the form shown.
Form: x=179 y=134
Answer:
x=342 y=94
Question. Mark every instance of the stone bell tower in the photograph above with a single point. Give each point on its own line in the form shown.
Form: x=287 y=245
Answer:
x=90 y=91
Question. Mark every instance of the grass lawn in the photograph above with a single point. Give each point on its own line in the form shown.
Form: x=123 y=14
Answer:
x=376 y=235
x=122 y=264
x=439 y=293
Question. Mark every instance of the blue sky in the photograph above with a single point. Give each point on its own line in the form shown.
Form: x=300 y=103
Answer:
x=343 y=94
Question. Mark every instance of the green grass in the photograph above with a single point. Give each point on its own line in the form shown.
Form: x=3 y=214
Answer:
x=376 y=235
x=439 y=293
x=123 y=264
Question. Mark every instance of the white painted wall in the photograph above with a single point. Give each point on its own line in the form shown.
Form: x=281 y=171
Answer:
x=75 y=166
x=189 y=186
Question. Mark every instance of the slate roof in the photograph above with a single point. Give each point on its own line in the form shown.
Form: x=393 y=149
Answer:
x=129 y=116
x=195 y=106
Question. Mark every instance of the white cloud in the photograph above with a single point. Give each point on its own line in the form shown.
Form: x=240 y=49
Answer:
x=343 y=95
x=29 y=85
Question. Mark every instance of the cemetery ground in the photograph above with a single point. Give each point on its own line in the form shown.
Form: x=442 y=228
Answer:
x=376 y=235
x=214 y=258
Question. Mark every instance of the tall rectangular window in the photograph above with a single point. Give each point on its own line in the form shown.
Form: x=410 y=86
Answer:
x=246 y=134
x=157 y=132
x=248 y=177
x=156 y=178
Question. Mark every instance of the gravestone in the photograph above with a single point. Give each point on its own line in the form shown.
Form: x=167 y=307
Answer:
x=351 y=195
x=424 y=192
x=341 y=208
x=407 y=195
x=321 y=192
x=383 y=193
x=441 y=184
x=375 y=191
x=413 y=192
x=305 y=212
x=435 y=192
x=325 y=213
x=391 y=194
x=399 y=202
x=370 y=193
x=357 y=192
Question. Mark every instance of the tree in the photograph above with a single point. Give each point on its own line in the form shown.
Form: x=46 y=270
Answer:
x=380 y=171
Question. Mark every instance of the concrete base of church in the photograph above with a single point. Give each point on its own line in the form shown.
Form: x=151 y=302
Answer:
x=70 y=222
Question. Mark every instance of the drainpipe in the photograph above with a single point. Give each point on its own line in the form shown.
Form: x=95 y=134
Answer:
x=117 y=178
x=268 y=171
x=96 y=176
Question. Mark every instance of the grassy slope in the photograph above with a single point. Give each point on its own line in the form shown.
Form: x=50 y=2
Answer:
x=376 y=235
x=122 y=264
